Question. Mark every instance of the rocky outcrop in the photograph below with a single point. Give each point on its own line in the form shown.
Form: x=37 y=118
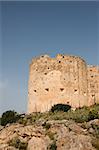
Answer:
x=38 y=143
x=64 y=134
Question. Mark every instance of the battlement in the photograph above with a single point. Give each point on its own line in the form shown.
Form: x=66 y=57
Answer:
x=64 y=79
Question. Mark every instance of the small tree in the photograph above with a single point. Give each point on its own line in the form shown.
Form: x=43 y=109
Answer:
x=93 y=115
x=9 y=117
x=60 y=107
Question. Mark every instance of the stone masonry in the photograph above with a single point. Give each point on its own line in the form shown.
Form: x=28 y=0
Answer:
x=64 y=79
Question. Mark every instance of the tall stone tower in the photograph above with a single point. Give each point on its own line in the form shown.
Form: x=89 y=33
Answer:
x=63 y=79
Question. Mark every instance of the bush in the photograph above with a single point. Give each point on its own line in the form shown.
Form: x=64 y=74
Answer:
x=23 y=121
x=50 y=135
x=17 y=143
x=93 y=115
x=14 y=142
x=46 y=125
x=9 y=117
x=53 y=146
x=60 y=107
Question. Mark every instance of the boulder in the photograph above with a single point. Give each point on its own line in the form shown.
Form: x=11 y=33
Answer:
x=37 y=143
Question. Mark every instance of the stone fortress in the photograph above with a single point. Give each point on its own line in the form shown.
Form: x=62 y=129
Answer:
x=64 y=79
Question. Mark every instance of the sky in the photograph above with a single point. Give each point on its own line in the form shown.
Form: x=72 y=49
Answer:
x=29 y=29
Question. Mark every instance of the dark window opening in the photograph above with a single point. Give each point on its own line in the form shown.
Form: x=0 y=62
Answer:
x=45 y=73
x=91 y=76
x=62 y=89
x=47 y=89
x=45 y=61
x=60 y=107
x=75 y=90
x=63 y=56
x=59 y=61
x=70 y=61
x=67 y=102
x=93 y=95
x=90 y=69
x=42 y=56
x=34 y=90
x=48 y=67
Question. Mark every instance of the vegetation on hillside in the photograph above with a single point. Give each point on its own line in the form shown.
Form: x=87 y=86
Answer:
x=17 y=143
x=46 y=121
x=9 y=117
x=57 y=112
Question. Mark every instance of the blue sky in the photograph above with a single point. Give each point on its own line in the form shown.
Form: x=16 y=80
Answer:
x=30 y=29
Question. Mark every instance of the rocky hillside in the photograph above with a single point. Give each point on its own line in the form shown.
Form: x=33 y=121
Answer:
x=50 y=131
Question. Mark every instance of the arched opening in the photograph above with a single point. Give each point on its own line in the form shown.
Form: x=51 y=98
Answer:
x=60 y=107
x=75 y=91
x=93 y=95
x=47 y=89
x=61 y=89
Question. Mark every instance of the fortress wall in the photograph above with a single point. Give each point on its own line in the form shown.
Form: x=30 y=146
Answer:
x=57 y=80
x=75 y=75
x=93 y=84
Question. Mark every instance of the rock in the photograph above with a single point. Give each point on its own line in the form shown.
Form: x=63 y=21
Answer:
x=67 y=134
x=37 y=143
x=95 y=121
x=91 y=130
x=6 y=147
x=76 y=128
x=75 y=142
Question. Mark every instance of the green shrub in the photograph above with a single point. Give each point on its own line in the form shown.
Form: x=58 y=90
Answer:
x=50 y=135
x=46 y=125
x=60 y=107
x=23 y=146
x=79 y=115
x=17 y=143
x=95 y=107
x=93 y=114
x=14 y=142
x=80 y=118
x=9 y=117
x=23 y=120
x=53 y=146
x=85 y=114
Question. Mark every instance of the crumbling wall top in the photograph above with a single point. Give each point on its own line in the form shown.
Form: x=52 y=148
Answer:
x=57 y=57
